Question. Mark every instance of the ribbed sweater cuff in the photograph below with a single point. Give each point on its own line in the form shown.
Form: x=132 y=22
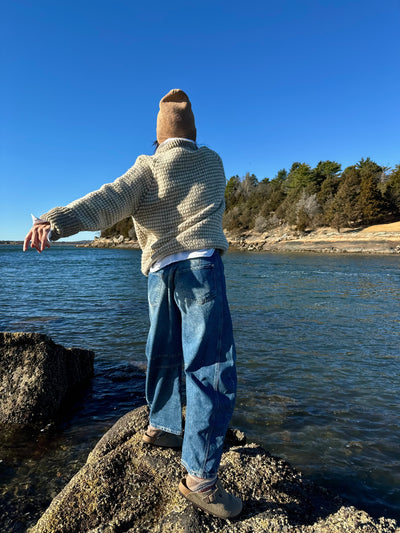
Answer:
x=63 y=222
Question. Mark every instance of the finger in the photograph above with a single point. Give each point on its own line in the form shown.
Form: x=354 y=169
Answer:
x=43 y=233
x=27 y=241
x=43 y=239
x=34 y=237
x=35 y=242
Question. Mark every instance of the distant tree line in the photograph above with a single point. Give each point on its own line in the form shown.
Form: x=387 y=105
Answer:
x=307 y=198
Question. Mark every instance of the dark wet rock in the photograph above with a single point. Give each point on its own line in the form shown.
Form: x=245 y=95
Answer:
x=38 y=376
x=127 y=486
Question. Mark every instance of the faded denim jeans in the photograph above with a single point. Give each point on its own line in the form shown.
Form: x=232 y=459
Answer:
x=191 y=332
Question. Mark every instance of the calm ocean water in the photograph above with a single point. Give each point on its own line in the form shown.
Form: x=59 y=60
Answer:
x=318 y=363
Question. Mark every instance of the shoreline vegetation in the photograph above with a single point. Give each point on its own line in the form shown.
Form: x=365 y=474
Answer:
x=320 y=209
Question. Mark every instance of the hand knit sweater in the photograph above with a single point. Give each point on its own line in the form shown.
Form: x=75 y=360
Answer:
x=176 y=199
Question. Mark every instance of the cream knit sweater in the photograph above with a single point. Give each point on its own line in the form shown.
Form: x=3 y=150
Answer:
x=176 y=199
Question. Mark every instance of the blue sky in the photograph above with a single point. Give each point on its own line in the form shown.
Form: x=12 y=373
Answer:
x=270 y=83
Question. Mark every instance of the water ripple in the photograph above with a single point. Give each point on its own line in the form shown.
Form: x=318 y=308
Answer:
x=318 y=361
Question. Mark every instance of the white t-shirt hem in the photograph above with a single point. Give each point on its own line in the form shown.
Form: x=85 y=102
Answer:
x=180 y=256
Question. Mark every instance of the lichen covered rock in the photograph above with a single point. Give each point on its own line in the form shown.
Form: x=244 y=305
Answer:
x=127 y=486
x=37 y=376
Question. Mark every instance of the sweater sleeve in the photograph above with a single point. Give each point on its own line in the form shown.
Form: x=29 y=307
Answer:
x=105 y=207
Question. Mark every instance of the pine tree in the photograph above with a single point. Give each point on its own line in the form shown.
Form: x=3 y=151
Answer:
x=370 y=202
x=392 y=192
x=345 y=208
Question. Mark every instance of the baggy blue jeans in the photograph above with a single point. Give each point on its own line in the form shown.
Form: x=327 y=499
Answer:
x=191 y=332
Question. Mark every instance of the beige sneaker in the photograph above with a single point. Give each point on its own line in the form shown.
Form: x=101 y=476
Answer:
x=164 y=439
x=215 y=500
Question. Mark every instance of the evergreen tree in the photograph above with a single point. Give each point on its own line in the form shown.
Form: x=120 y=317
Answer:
x=325 y=170
x=345 y=207
x=300 y=177
x=325 y=198
x=367 y=167
x=370 y=202
x=275 y=196
x=326 y=178
x=231 y=191
x=392 y=192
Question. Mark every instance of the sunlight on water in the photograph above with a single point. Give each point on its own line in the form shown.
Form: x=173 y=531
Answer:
x=319 y=365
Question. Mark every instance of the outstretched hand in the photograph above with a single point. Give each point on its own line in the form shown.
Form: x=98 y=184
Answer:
x=38 y=237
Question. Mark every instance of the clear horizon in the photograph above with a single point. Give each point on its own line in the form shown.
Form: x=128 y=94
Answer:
x=270 y=84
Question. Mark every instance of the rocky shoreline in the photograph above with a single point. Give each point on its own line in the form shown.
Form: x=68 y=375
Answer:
x=324 y=240
x=128 y=486
x=112 y=242
x=382 y=239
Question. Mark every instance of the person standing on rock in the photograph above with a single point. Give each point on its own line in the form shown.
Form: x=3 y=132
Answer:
x=176 y=199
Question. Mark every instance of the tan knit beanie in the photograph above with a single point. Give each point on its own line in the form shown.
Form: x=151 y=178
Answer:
x=175 y=118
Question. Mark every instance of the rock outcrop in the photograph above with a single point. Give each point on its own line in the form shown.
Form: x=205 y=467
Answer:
x=127 y=486
x=111 y=242
x=383 y=239
x=37 y=376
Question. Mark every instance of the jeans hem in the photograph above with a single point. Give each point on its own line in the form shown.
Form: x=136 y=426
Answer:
x=167 y=430
x=199 y=474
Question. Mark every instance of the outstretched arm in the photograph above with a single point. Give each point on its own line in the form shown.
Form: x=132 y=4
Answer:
x=95 y=211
